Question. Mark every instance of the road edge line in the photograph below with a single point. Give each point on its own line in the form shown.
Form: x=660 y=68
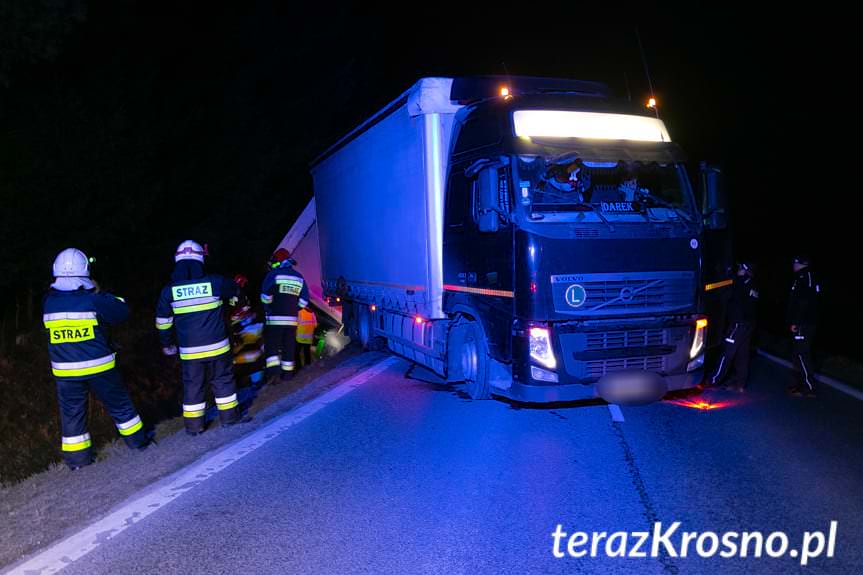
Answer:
x=152 y=498
x=826 y=380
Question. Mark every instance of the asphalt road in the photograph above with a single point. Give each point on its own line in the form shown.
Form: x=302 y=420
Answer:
x=405 y=476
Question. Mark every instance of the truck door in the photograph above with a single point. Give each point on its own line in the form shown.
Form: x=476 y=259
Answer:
x=717 y=258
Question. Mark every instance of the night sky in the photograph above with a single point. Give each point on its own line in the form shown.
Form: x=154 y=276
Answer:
x=126 y=126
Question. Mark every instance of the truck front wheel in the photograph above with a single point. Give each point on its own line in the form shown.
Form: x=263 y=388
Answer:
x=473 y=360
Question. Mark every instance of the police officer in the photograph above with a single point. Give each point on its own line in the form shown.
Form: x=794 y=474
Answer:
x=741 y=325
x=189 y=312
x=76 y=316
x=284 y=292
x=802 y=318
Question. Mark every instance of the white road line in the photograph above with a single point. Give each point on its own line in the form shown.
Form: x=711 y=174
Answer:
x=73 y=548
x=616 y=413
x=835 y=384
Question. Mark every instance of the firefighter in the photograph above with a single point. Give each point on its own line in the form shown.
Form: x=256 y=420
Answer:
x=305 y=335
x=246 y=335
x=284 y=292
x=76 y=315
x=741 y=325
x=189 y=313
x=802 y=317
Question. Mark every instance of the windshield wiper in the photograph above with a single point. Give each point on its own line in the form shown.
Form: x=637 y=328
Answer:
x=581 y=205
x=666 y=204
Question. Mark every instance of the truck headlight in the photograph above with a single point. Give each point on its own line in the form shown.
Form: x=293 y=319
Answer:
x=698 y=338
x=540 y=347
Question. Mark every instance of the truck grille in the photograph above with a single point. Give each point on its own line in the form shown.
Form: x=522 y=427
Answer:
x=621 y=339
x=588 y=355
x=592 y=295
x=596 y=369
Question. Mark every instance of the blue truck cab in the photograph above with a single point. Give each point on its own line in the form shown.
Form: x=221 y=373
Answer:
x=537 y=239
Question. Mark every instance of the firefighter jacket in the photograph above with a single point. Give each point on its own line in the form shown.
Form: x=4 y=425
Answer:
x=189 y=312
x=742 y=306
x=76 y=321
x=284 y=292
x=803 y=304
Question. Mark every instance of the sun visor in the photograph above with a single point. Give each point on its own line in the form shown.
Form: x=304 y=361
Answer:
x=595 y=151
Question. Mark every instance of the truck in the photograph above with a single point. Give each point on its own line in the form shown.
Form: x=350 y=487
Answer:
x=536 y=239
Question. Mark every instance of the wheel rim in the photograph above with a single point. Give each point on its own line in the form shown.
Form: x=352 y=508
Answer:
x=469 y=360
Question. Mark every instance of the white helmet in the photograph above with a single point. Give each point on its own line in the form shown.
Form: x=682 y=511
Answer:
x=71 y=263
x=189 y=250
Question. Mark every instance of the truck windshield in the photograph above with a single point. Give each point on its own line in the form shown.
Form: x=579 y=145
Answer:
x=567 y=188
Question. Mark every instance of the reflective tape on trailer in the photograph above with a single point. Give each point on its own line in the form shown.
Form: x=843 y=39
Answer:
x=717 y=285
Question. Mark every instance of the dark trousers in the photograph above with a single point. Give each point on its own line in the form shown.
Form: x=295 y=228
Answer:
x=801 y=357
x=304 y=354
x=736 y=355
x=280 y=341
x=72 y=395
x=217 y=372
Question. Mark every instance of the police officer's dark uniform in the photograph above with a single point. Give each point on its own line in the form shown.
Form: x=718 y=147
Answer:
x=76 y=316
x=802 y=319
x=284 y=292
x=742 y=313
x=189 y=313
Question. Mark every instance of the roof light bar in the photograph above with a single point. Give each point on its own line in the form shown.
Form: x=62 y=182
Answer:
x=590 y=125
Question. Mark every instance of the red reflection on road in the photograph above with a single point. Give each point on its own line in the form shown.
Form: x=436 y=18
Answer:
x=701 y=403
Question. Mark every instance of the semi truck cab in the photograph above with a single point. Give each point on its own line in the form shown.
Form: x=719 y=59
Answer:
x=565 y=256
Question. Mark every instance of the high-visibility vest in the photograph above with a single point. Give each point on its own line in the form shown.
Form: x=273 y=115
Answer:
x=306 y=323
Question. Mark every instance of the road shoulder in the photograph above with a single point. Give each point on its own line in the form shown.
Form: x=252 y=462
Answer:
x=59 y=501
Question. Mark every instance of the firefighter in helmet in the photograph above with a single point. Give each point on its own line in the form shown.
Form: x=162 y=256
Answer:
x=77 y=315
x=284 y=292
x=190 y=321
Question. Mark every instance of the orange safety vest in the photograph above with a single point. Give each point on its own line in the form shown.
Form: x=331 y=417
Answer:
x=306 y=326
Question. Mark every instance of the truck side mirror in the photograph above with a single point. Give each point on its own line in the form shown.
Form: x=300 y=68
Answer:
x=487 y=200
x=713 y=197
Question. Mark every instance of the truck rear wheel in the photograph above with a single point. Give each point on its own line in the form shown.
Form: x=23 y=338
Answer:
x=473 y=360
x=366 y=330
x=363 y=325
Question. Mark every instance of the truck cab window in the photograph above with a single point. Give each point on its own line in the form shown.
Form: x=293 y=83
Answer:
x=569 y=188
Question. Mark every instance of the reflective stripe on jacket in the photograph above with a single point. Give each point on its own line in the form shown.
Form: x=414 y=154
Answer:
x=189 y=314
x=284 y=292
x=75 y=321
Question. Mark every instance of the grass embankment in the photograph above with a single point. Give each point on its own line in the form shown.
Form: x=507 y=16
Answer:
x=29 y=414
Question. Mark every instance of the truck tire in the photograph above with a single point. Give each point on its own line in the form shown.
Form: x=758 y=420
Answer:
x=363 y=325
x=366 y=330
x=474 y=362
